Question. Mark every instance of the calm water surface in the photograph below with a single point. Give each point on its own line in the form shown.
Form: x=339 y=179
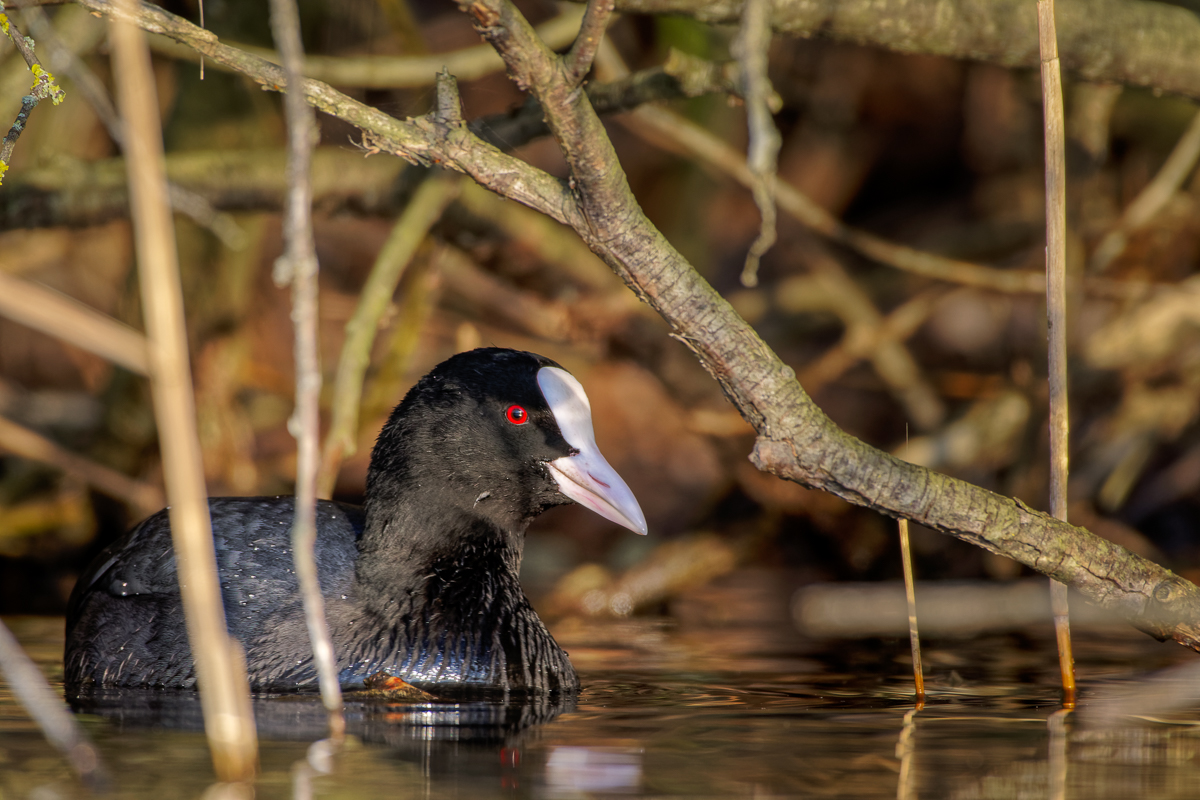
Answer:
x=679 y=710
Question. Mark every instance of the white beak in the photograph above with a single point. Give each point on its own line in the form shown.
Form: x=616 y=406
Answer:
x=586 y=477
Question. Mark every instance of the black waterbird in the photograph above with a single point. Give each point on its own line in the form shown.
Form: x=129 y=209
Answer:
x=420 y=584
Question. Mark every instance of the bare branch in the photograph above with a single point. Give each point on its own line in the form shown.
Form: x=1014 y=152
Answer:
x=591 y=33
x=796 y=440
x=43 y=87
x=298 y=266
x=752 y=47
x=1133 y=42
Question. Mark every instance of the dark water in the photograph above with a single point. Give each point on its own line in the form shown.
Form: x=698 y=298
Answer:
x=679 y=710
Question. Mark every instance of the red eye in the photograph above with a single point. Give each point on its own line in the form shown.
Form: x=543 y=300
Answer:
x=517 y=415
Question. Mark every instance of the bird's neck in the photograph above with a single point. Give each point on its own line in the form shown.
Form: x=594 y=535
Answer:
x=443 y=604
x=415 y=553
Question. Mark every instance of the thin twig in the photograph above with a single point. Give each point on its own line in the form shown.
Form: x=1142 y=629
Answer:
x=425 y=208
x=591 y=32
x=299 y=266
x=1056 y=317
x=224 y=690
x=43 y=86
x=66 y=59
x=47 y=710
x=18 y=127
x=752 y=48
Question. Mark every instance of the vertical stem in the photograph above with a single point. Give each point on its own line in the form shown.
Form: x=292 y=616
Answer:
x=299 y=265
x=220 y=668
x=1056 y=316
x=910 y=594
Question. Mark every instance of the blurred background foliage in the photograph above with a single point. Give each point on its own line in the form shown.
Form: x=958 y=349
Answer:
x=940 y=155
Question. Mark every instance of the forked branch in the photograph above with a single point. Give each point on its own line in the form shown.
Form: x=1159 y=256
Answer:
x=795 y=438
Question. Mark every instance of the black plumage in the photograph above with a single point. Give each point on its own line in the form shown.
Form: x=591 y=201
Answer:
x=421 y=583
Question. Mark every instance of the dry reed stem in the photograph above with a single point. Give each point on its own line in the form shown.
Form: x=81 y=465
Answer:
x=299 y=266
x=25 y=443
x=224 y=692
x=63 y=317
x=1056 y=317
x=910 y=596
x=46 y=707
x=425 y=209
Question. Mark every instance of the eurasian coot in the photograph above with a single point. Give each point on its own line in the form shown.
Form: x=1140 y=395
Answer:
x=420 y=584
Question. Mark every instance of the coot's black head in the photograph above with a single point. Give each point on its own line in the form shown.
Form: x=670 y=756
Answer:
x=499 y=433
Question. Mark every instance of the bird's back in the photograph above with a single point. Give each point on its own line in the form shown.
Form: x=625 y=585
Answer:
x=125 y=624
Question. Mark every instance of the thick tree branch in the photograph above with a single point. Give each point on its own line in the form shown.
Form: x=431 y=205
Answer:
x=1135 y=42
x=796 y=440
